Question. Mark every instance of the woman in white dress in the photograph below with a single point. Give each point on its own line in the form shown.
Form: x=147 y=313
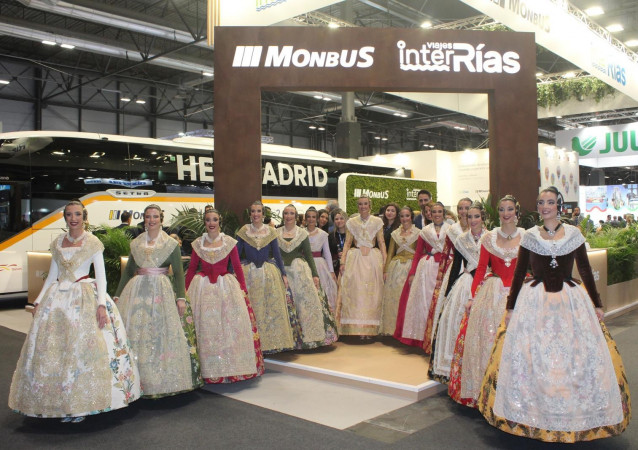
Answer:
x=416 y=298
x=76 y=360
x=555 y=373
x=466 y=256
x=323 y=259
x=398 y=263
x=158 y=322
x=362 y=264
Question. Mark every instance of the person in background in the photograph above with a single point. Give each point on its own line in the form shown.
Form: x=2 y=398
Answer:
x=323 y=220
x=450 y=217
x=76 y=360
x=331 y=207
x=424 y=198
x=391 y=222
x=125 y=217
x=320 y=246
x=337 y=238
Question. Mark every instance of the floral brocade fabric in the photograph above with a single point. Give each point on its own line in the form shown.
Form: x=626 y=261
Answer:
x=68 y=366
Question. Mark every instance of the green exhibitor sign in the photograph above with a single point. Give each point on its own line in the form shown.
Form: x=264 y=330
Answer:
x=382 y=190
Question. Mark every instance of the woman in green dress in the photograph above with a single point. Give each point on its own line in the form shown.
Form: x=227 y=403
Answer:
x=164 y=344
x=317 y=324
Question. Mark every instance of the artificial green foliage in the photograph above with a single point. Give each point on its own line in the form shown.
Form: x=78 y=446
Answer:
x=622 y=252
x=555 y=93
x=189 y=223
x=402 y=191
x=116 y=244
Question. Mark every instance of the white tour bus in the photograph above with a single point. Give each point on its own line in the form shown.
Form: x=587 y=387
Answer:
x=40 y=171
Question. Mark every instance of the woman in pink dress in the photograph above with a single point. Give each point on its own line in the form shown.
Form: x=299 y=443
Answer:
x=227 y=338
x=499 y=249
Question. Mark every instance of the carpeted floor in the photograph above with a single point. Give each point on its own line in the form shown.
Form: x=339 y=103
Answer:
x=205 y=420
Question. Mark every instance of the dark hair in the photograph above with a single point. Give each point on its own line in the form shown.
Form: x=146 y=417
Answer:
x=125 y=216
x=559 y=197
x=154 y=206
x=424 y=191
x=396 y=222
x=312 y=209
x=77 y=202
x=517 y=206
x=464 y=199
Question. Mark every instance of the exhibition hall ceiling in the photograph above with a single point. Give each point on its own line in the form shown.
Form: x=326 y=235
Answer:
x=156 y=49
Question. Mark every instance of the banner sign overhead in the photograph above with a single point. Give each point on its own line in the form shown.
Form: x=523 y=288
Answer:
x=606 y=146
x=562 y=32
x=266 y=12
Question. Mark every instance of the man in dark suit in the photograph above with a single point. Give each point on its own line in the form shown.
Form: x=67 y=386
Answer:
x=424 y=197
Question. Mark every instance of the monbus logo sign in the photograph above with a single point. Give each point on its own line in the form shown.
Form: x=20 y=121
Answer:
x=358 y=193
x=287 y=55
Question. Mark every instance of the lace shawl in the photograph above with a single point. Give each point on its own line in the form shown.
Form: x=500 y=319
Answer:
x=213 y=255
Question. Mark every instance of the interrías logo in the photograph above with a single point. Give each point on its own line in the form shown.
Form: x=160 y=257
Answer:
x=455 y=57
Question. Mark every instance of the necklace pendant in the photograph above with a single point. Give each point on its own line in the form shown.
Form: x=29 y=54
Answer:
x=553 y=263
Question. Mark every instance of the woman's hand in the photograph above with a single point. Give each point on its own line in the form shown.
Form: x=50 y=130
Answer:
x=316 y=281
x=285 y=278
x=468 y=306
x=600 y=314
x=101 y=316
x=508 y=316
x=116 y=299
x=181 y=306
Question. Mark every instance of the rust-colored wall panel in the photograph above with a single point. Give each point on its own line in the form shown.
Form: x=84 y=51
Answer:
x=377 y=65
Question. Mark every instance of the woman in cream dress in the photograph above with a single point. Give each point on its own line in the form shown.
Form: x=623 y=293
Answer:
x=362 y=268
x=398 y=263
x=76 y=360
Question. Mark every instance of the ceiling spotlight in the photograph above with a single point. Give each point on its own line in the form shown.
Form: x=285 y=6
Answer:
x=318 y=97
x=632 y=43
x=384 y=138
x=5 y=81
x=614 y=28
x=312 y=127
x=569 y=75
x=426 y=24
x=125 y=99
x=333 y=25
x=208 y=74
x=594 y=11
x=321 y=129
x=326 y=99
x=377 y=137
x=139 y=101
x=539 y=74
x=68 y=46
x=45 y=42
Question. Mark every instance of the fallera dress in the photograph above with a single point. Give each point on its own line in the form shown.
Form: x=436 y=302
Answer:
x=317 y=323
x=164 y=344
x=227 y=337
x=555 y=373
x=478 y=330
x=416 y=298
x=361 y=292
x=263 y=268
x=68 y=366
x=458 y=291
x=398 y=263
x=323 y=261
